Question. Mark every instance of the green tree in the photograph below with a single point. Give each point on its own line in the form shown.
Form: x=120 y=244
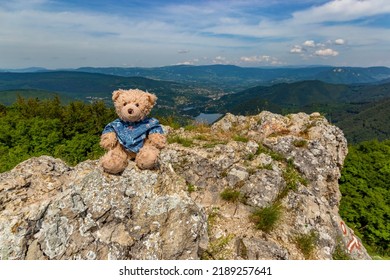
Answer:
x=364 y=184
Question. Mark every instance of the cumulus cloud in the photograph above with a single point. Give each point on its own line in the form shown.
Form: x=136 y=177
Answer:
x=326 y=52
x=220 y=60
x=193 y=61
x=185 y=63
x=309 y=43
x=261 y=59
x=106 y=38
x=297 y=49
x=339 y=41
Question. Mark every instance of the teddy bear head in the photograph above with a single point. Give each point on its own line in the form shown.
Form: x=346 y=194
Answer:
x=133 y=105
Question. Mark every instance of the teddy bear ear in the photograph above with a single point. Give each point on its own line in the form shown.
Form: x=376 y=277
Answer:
x=152 y=98
x=116 y=94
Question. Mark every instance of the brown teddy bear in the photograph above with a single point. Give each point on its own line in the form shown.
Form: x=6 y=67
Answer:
x=133 y=134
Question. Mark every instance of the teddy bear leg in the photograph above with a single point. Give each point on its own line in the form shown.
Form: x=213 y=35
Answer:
x=147 y=157
x=115 y=160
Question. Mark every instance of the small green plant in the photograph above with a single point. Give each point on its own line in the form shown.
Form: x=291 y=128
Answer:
x=240 y=138
x=292 y=177
x=190 y=188
x=212 y=219
x=197 y=127
x=261 y=149
x=339 y=252
x=201 y=137
x=267 y=218
x=276 y=156
x=266 y=166
x=180 y=140
x=250 y=156
x=230 y=195
x=170 y=121
x=300 y=143
x=306 y=243
x=218 y=248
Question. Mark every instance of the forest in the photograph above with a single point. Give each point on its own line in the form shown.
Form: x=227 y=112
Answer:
x=33 y=127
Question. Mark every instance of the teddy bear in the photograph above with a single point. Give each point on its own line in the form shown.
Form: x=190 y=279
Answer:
x=133 y=135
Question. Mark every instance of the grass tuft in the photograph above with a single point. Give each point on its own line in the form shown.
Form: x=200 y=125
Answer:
x=306 y=243
x=267 y=218
x=186 y=142
x=230 y=195
x=300 y=143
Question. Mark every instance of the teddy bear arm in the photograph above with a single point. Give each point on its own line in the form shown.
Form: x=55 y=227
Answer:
x=157 y=140
x=108 y=140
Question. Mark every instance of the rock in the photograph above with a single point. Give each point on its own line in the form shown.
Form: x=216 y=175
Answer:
x=93 y=215
x=49 y=210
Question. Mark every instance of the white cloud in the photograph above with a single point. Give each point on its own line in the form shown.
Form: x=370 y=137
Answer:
x=343 y=10
x=326 y=52
x=297 y=49
x=220 y=60
x=339 y=41
x=231 y=28
x=261 y=59
x=309 y=43
x=185 y=63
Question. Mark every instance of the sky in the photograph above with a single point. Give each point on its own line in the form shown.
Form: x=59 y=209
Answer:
x=249 y=33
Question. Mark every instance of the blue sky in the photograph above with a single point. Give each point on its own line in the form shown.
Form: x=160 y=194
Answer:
x=256 y=33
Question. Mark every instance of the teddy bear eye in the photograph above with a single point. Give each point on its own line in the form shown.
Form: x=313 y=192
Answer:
x=136 y=104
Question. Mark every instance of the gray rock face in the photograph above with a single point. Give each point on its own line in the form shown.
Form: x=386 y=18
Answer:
x=93 y=215
x=49 y=210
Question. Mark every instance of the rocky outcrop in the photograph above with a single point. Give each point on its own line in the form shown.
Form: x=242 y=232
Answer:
x=211 y=198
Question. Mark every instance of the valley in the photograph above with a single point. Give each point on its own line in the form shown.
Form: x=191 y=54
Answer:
x=350 y=97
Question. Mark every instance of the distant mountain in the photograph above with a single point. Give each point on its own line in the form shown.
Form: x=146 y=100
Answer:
x=353 y=75
x=86 y=86
x=362 y=111
x=298 y=95
x=370 y=121
x=342 y=104
x=232 y=78
x=24 y=70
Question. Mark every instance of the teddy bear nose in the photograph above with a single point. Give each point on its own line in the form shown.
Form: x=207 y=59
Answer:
x=130 y=111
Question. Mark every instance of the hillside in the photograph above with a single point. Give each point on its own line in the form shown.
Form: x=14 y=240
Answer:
x=257 y=187
x=342 y=104
x=301 y=94
x=87 y=86
x=232 y=78
x=370 y=121
x=9 y=97
x=360 y=110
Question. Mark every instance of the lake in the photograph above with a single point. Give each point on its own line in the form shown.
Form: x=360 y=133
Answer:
x=207 y=118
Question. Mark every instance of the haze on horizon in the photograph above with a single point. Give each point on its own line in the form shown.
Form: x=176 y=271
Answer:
x=124 y=33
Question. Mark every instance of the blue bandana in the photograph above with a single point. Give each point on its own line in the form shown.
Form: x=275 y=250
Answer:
x=132 y=134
